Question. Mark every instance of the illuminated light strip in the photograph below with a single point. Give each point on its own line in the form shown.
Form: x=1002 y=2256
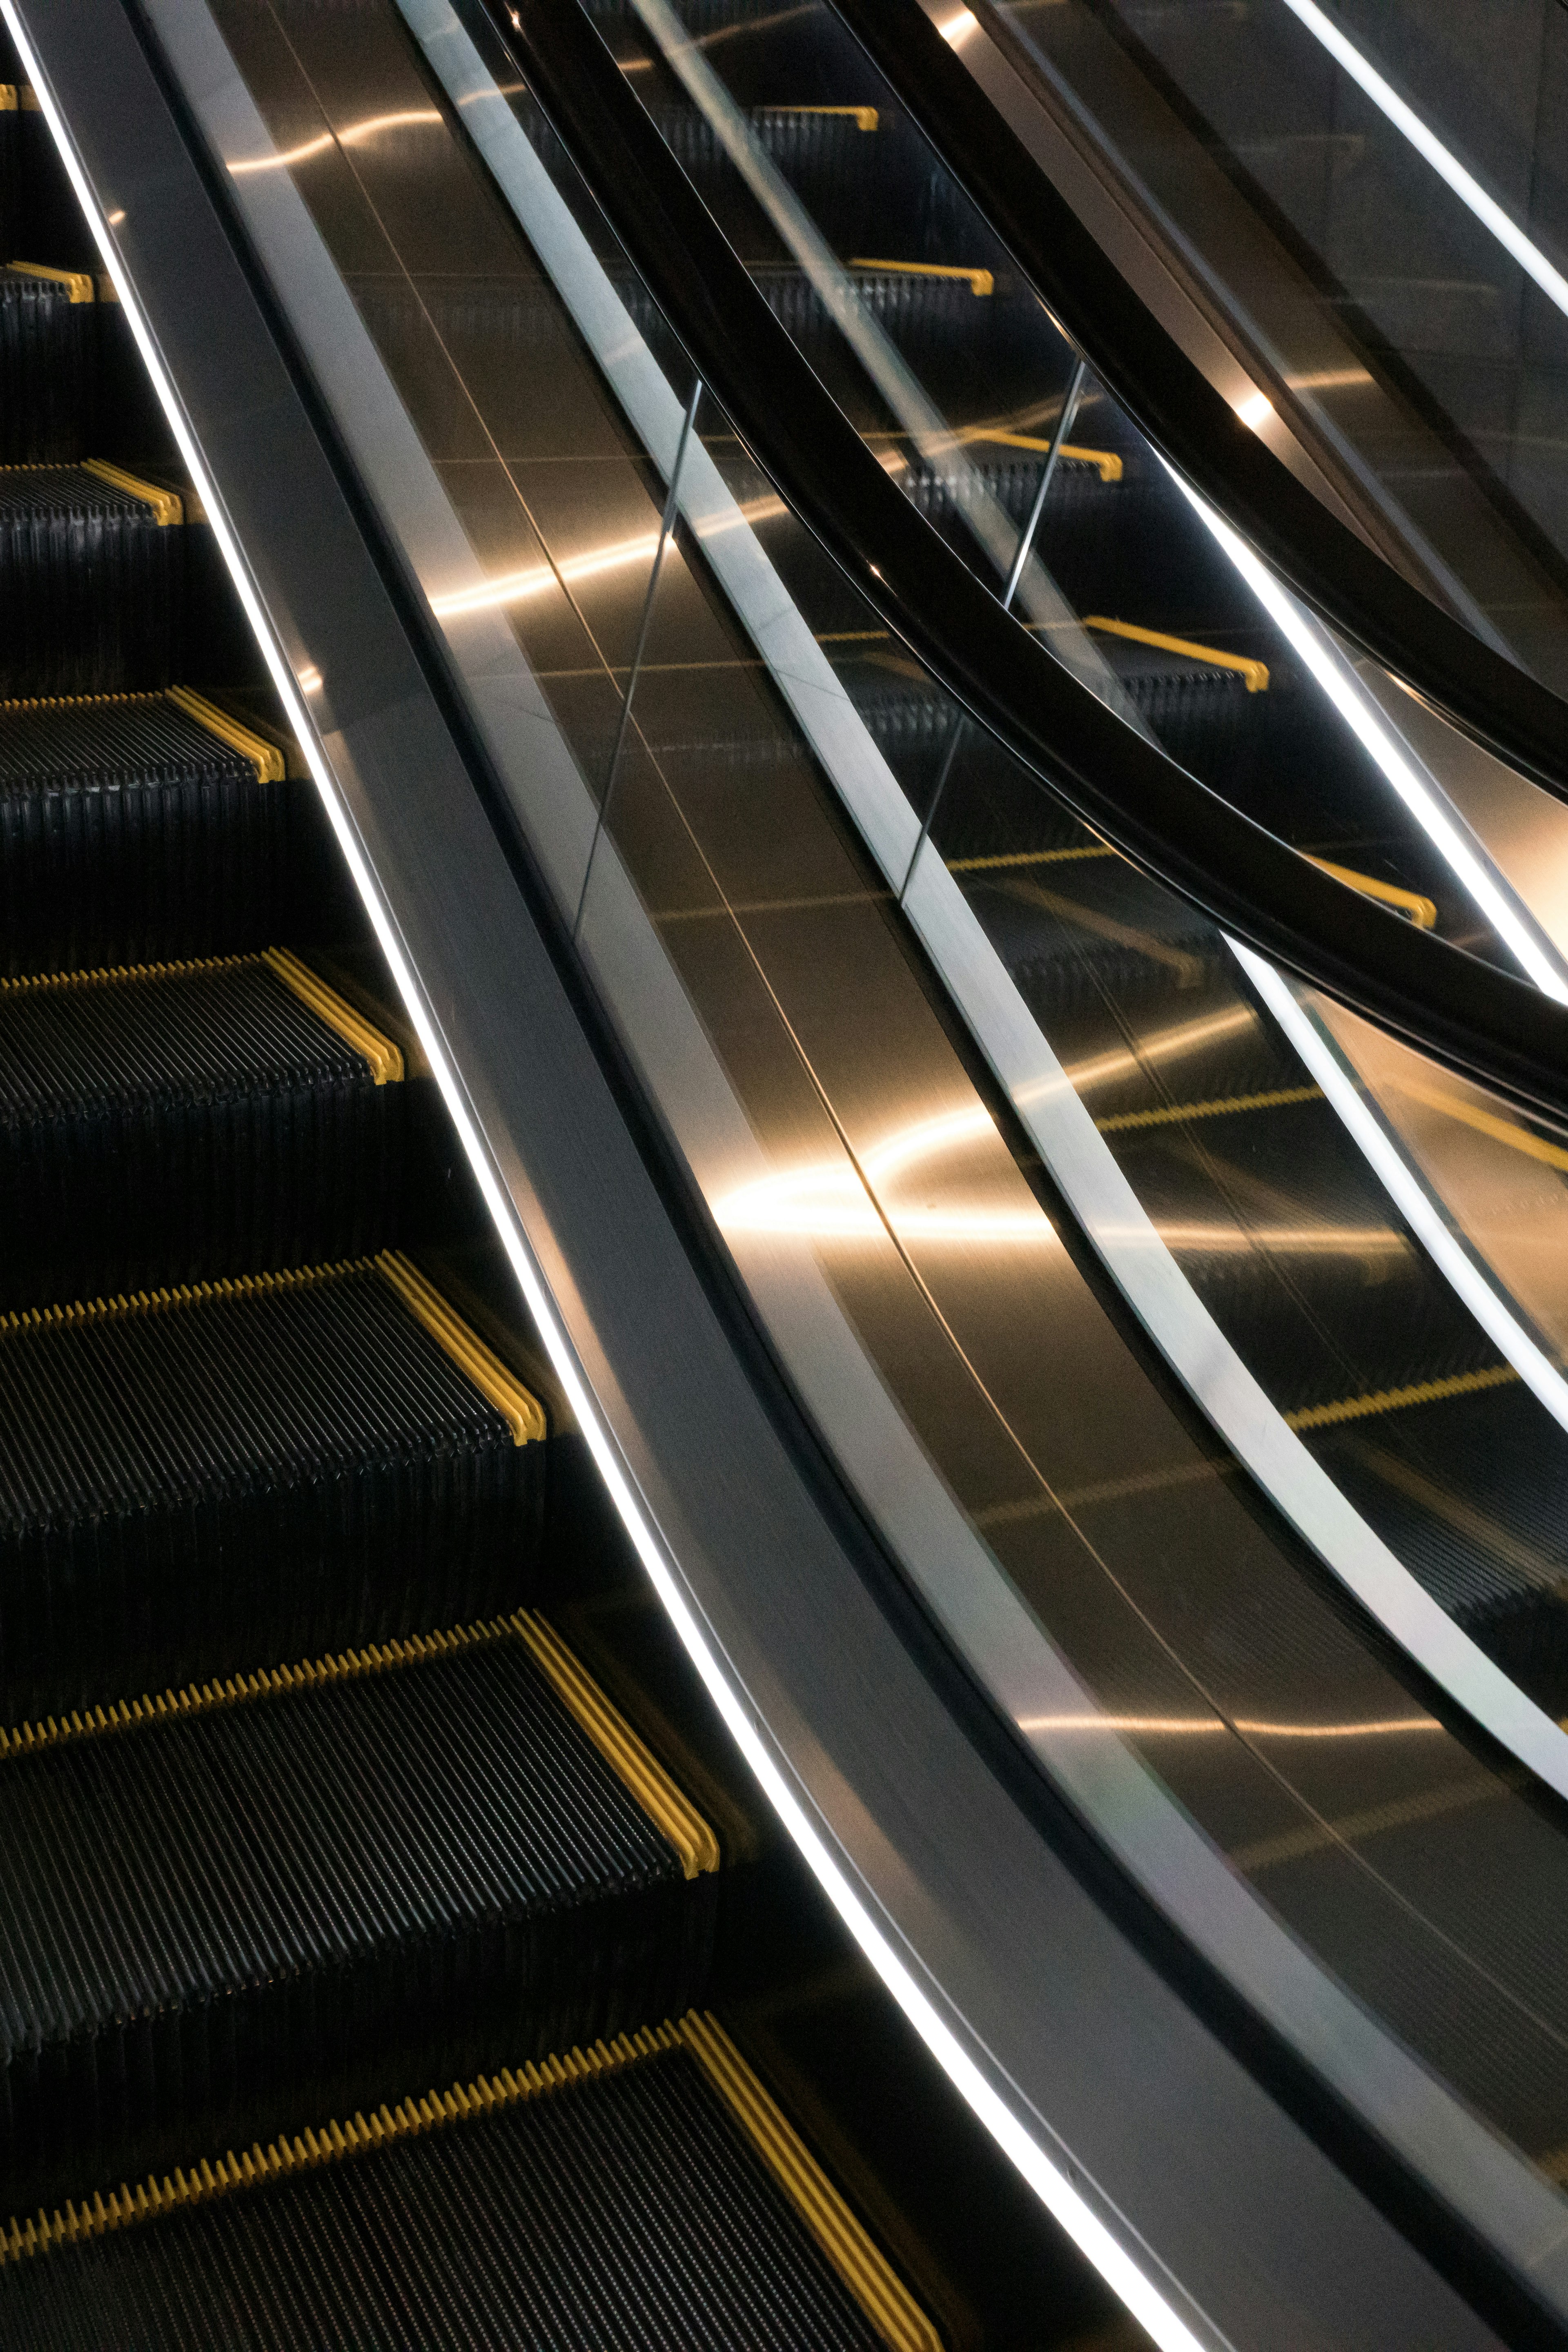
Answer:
x=1502 y=1328
x=1182 y=1727
x=1049 y=2180
x=1430 y=148
x=1336 y=678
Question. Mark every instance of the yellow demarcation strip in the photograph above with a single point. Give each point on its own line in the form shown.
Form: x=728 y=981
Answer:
x=981 y=281
x=864 y=117
x=1327 y=1416
x=678 y=1820
x=1253 y=674
x=1277 y=1099
x=1029 y=857
x=167 y=505
x=185 y=1294
x=267 y=757
x=494 y=1381
x=865 y=2270
x=1422 y=911
x=384 y=1058
x=1485 y=1122
x=29 y=97
x=113 y=975
x=1106 y=461
x=79 y=282
x=666 y=1805
x=8 y=98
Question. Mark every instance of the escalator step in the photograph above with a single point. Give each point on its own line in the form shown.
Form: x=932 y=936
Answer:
x=265 y=1468
x=374 y=1872
x=48 y=351
x=646 y=2192
x=168 y=1124
x=91 y=583
x=131 y=832
x=10 y=158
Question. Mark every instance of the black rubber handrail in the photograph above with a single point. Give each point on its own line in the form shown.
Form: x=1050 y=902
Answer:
x=1472 y=1016
x=1175 y=406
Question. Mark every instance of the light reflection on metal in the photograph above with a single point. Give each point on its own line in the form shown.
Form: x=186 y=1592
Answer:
x=353 y=136
x=1181 y=1727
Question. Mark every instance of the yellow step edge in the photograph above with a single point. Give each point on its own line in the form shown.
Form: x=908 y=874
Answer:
x=9 y=102
x=1361 y=1408
x=634 y=1763
x=981 y=281
x=112 y=975
x=864 y=2269
x=1106 y=462
x=870 y=2277
x=866 y=117
x=1255 y=674
x=1031 y=857
x=77 y=280
x=168 y=506
x=267 y=757
x=185 y=1294
x=494 y=1381
x=1423 y=912
x=1217 y=1106
x=384 y=1058
x=29 y=98
x=72 y=702
x=329 y=2143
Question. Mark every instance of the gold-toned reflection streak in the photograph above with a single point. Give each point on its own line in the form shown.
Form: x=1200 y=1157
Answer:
x=835 y=1200
x=537 y=579
x=1184 y=1727
x=353 y=136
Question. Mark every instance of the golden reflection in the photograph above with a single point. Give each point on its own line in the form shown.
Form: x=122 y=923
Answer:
x=535 y=578
x=353 y=136
x=1211 y=1725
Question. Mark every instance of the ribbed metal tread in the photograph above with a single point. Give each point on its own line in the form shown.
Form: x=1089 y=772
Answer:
x=266 y=1469
x=130 y=832
x=312 y=1894
x=91 y=585
x=172 y=1123
x=48 y=373
x=643 y=2194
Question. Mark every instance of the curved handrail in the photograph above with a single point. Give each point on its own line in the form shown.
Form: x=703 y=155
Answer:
x=1469 y=1014
x=1180 y=412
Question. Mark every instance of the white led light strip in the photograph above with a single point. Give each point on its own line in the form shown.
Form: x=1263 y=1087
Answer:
x=1143 y=2296
x=1428 y=145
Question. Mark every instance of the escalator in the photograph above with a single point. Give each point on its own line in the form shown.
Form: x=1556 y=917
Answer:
x=358 y=1948
x=849 y=1039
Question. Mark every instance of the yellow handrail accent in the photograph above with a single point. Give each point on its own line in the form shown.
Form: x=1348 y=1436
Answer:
x=981 y=281
x=77 y=280
x=522 y=1412
x=167 y=506
x=384 y=1058
x=633 y=1762
x=1254 y=673
x=267 y=758
x=854 y=2255
x=1422 y=911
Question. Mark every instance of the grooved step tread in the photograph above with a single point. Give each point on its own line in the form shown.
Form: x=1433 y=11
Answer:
x=323 y=1887
x=645 y=2191
x=263 y=1468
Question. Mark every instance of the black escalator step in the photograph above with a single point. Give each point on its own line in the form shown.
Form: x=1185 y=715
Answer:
x=131 y=832
x=49 y=351
x=646 y=2193
x=370 y=1872
x=10 y=155
x=264 y=1468
x=91 y=581
x=168 y=1124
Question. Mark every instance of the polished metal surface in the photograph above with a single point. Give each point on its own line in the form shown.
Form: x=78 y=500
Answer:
x=982 y=1396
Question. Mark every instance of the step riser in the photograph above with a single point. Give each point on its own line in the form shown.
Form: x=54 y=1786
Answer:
x=89 y=605
x=48 y=367
x=112 y=1198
